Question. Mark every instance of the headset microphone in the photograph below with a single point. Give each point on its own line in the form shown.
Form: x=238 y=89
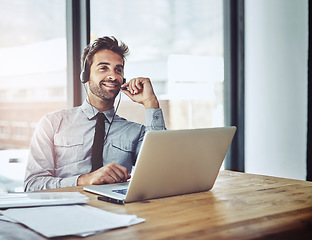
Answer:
x=123 y=82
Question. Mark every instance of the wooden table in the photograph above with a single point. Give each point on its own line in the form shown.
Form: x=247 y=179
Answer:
x=240 y=206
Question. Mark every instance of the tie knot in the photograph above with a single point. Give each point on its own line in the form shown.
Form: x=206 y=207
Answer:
x=100 y=116
x=100 y=121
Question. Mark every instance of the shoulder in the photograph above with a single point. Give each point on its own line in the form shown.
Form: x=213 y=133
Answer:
x=56 y=117
x=62 y=113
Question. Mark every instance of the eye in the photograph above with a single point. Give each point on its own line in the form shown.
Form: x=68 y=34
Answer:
x=119 y=70
x=103 y=68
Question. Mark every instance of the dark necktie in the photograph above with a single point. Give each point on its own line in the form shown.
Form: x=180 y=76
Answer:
x=98 y=142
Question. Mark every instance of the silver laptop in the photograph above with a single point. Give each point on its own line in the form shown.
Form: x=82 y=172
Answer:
x=172 y=162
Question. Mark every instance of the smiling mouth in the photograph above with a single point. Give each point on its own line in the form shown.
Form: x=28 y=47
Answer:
x=110 y=85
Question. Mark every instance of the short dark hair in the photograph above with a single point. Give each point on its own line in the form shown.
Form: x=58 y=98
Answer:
x=109 y=43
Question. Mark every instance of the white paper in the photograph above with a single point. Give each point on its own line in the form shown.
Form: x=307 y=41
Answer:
x=41 y=199
x=82 y=220
x=4 y=218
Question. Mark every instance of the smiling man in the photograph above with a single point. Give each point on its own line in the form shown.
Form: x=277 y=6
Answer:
x=64 y=150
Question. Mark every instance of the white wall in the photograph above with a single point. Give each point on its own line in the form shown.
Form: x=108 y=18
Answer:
x=276 y=50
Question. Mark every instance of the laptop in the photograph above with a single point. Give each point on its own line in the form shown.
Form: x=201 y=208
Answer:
x=170 y=163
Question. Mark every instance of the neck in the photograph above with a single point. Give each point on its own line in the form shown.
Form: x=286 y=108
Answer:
x=100 y=104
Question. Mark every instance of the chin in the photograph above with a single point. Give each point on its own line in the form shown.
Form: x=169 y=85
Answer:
x=109 y=97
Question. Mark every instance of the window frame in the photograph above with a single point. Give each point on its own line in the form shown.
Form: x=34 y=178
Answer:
x=234 y=83
x=77 y=37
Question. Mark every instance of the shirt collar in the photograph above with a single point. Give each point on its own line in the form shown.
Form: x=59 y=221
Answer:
x=91 y=111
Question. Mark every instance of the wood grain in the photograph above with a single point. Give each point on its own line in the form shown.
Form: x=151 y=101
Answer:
x=240 y=206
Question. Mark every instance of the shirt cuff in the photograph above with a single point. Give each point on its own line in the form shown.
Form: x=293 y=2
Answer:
x=154 y=119
x=69 y=181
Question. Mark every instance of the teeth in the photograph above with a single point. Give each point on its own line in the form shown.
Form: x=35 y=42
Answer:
x=110 y=85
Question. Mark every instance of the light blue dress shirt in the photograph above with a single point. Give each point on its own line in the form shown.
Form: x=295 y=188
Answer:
x=60 y=149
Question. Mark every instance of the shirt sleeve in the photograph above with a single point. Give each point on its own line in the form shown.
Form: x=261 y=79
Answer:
x=40 y=173
x=154 y=119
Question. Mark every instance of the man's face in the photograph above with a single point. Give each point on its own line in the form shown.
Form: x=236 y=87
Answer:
x=106 y=75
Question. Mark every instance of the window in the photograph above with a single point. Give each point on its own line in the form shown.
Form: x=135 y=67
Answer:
x=178 y=44
x=32 y=77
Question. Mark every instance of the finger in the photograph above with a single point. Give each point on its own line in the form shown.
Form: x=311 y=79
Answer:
x=117 y=175
x=101 y=176
x=109 y=179
x=128 y=93
x=108 y=174
x=113 y=178
x=132 y=86
x=138 y=83
x=125 y=85
x=121 y=172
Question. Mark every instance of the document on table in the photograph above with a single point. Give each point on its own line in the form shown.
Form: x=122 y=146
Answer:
x=41 y=199
x=79 y=220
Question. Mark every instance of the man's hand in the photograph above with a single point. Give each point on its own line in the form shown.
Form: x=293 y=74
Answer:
x=140 y=90
x=111 y=173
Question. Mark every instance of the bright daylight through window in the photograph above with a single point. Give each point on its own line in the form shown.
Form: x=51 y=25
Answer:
x=178 y=44
x=32 y=77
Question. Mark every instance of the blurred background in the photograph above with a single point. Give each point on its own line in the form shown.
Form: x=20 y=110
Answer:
x=179 y=45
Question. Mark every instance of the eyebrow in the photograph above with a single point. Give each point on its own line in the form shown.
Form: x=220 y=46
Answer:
x=107 y=63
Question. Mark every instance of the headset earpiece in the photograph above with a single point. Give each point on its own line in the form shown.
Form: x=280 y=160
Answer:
x=84 y=75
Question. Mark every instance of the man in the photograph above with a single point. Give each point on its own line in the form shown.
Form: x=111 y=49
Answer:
x=61 y=150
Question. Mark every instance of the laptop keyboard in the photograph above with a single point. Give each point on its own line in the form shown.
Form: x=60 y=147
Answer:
x=121 y=191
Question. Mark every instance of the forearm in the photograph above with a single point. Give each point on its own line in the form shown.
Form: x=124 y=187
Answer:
x=36 y=183
x=111 y=173
x=151 y=103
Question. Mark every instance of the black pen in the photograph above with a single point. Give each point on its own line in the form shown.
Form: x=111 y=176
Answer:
x=112 y=200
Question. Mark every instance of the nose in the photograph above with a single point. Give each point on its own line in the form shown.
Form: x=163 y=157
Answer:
x=112 y=75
